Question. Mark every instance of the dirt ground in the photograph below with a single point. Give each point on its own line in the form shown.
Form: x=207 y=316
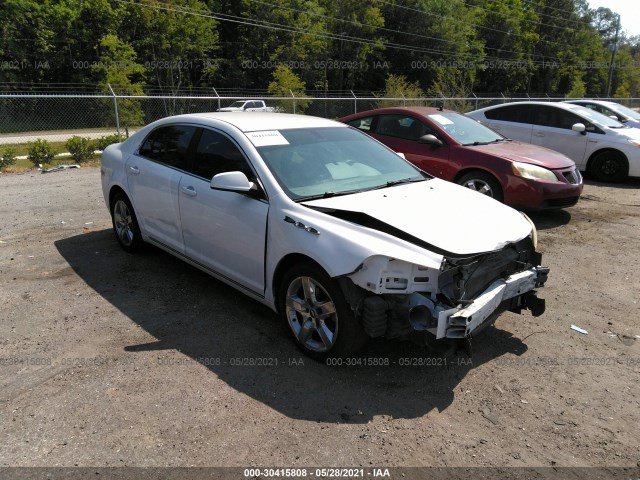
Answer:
x=109 y=359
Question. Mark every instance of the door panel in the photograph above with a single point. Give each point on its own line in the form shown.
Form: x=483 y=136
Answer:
x=401 y=134
x=552 y=129
x=153 y=176
x=225 y=231
x=512 y=121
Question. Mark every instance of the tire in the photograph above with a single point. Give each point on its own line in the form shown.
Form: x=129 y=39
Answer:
x=609 y=166
x=125 y=224
x=320 y=319
x=483 y=183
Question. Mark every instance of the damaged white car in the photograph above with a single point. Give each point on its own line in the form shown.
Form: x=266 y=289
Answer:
x=338 y=234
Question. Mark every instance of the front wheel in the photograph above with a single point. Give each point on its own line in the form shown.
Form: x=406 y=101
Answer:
x=609 y=166
x=483 y=183
x=315 y=309
x=125 y=224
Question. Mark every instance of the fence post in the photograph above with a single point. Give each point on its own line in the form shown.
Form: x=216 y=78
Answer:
x=115 y=107
x=293 y=101
x=355 y=102
x=404 y=100
x=474 y=96
x=214 y=91
x=504 y=99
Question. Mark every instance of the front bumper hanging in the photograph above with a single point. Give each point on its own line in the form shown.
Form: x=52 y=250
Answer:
x=461 y=322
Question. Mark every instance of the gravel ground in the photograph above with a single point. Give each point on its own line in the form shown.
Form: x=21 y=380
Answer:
x=110 y=359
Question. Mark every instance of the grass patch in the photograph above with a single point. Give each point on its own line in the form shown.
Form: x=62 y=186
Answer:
x=23 y=148
x=23 y=165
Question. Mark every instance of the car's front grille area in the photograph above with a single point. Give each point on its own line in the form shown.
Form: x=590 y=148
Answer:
x=573 y=177
x=463 y=279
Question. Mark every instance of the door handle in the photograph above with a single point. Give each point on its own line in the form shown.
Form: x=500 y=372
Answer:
x=539 y=134
x=497 y=128
x=134 y=170
x=189 y=191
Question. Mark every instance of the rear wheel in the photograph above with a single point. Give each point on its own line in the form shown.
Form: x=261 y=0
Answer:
x=125 y=224
x=609 y=166
x=482 y=182
x=315 y=309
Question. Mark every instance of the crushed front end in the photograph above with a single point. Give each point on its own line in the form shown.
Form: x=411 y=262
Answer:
x=394 y=298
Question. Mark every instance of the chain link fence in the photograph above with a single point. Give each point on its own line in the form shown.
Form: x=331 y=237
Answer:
x=56 y=118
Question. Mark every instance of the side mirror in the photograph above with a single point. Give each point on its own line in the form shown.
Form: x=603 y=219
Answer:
x=579 y=127
x=401 y=155
x=430 y=139
x=231 y=182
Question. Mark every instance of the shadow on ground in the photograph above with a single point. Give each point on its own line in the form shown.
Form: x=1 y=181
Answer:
x=189 y=311
x=627 y=183
x=548 y=219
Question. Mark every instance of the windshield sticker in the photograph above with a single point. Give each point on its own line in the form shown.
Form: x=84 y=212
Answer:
x=267 y=138
x=441 y=119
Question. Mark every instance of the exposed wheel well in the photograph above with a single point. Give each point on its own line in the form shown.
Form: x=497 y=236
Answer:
x=463 y=172
x=602 y=150
x=285 y=264
x=115 y=190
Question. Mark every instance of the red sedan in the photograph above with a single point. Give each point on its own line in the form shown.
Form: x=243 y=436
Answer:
x=454 y=147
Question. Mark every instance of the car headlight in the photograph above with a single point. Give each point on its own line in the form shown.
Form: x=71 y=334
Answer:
x=534 y=231
x=634 y=142
x=533 y=172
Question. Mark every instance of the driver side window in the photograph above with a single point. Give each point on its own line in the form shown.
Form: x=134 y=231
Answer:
x=216 y=154
x=402 y=126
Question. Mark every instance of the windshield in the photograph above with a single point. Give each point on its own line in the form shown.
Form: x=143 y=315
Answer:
x=464 y=129
x=596 y=117
x=627 y=112
x=323 y=162
x=237 y=104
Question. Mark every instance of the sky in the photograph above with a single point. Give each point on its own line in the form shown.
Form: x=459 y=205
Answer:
x=629 y=11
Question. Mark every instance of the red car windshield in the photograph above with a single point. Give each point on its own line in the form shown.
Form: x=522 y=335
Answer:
x=464 y=129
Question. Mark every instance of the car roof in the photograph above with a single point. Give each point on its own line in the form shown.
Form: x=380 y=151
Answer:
x=563 y=105
x=597 y=102
x=256 y=121
x=424 y=111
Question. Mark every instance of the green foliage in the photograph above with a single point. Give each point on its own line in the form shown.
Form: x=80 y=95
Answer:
x=283 y=84
x=578 y=89
x=8 y=158
x=453 y=83
x=80 y=148
x=105 y=141
x=118 y=67
x=40 y=152
x=178 y=46
x=397 y=86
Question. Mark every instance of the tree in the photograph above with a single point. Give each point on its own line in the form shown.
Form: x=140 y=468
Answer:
x=176 y=41
x=453 y=83
x=397 y=86
x=119 y=69
x=284 y=83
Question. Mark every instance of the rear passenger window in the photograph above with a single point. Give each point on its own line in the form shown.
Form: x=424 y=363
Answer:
x=363 y=124
x=555 y=117
x=169 y=145
x=510 y=113
x=218 y=154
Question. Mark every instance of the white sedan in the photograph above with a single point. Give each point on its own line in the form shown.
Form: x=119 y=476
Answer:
x=323 y=224
x=600 y=145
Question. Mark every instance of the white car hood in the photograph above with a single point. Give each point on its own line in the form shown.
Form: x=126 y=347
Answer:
x=450 y=217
